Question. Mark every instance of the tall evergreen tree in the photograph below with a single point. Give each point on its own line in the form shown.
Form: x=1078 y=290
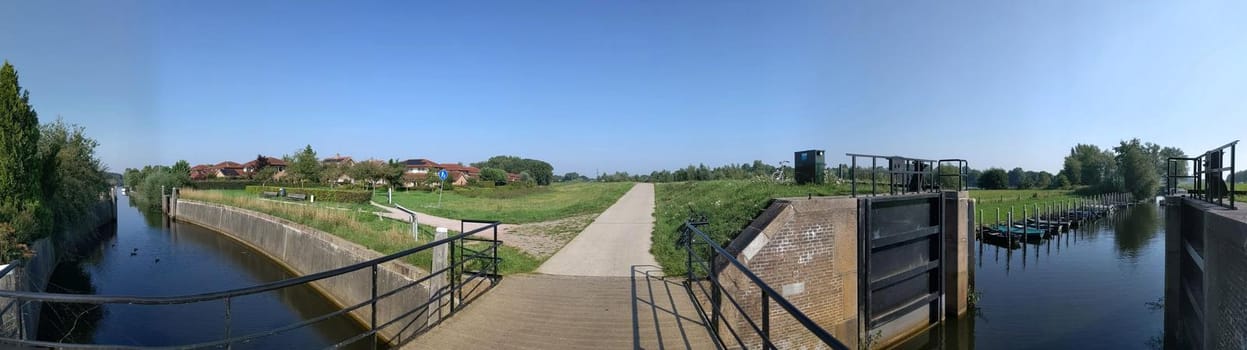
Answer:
x=22 y=216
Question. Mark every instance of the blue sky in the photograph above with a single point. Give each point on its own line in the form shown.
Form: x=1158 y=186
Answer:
x=633 y=86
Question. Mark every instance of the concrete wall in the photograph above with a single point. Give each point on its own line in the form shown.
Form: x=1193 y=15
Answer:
x=1205 y=262
x=958 y=220
x=305 y=250
x=805 y=249
x=21 y=319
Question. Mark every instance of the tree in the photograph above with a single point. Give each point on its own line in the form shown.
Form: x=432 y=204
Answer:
x=305 y=166
x=80 y=177
x=393 y=173
x=498 y=176
x=1015 y=177
x=182 y=171
x=23 y=217
x=1061 y=182
x=1138 y=169
x=573 y=176
x=265 y=174
x=994 y=179
x=542 y=172
x=370 y=171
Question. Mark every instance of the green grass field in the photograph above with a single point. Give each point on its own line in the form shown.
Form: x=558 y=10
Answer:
x=988 y=201
x=534 y=205
x=356 y=223
x=729 y=205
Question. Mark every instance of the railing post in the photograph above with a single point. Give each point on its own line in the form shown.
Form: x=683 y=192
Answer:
x=766 y=322
x=496 y=244
x=373 y=301
x=715 y=297
x=228 y=320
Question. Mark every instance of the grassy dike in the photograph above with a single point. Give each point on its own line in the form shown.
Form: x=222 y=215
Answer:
x=728 y=204
x=515 y=206
x=356 y=224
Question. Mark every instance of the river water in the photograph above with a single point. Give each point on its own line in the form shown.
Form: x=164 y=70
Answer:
x=148 y=257
x=1099 y=287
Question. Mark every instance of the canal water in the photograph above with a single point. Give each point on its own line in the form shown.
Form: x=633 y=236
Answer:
x=1098 y=287
x=146 y=256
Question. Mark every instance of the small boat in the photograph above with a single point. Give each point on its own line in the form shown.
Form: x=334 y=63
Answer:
x=999 y=239
x=1020 y=230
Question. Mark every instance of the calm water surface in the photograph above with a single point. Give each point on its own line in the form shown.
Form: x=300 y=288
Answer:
x=192 y=260
x=1097 y=288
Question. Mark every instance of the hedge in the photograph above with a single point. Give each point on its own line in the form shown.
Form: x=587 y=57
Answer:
x=222 y=184
x=322 y=194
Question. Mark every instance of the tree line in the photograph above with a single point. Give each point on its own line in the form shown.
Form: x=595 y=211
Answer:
x=1131 y=166
x=50 y=177
x=700 y=172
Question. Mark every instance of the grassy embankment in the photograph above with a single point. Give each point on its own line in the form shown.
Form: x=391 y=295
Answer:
x=515 y=206
x=729 y=205
x=356 y=223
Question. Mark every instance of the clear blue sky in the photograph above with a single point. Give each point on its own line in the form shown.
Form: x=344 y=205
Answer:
x=633 y=85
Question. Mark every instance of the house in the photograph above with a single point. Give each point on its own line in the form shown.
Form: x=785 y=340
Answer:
x=470 y=172
x=461 y=179
x=253 y=166
x=202 y=172
x=419 y=166
x=228 y=173
x=338 y=159
x=513 y=177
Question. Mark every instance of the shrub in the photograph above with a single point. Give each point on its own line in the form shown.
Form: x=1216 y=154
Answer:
x=323 y=194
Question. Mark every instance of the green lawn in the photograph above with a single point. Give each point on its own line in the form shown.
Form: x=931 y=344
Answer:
x=729 y=205
x=515 y=206
x=988 y=201
x=357 y=223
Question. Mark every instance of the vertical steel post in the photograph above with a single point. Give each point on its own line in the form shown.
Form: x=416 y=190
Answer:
x=372 y=323
x=874 y=164
x=853 y=176
x=228 y=320
x=766 y=321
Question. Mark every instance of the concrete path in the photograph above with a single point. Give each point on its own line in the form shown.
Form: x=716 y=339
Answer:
x=437 y=221
x=612 y=244
x=575 y=312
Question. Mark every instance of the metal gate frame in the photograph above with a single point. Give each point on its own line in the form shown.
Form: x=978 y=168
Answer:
x=868 y=246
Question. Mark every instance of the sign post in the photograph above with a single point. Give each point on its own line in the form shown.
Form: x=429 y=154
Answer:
x=441 y=174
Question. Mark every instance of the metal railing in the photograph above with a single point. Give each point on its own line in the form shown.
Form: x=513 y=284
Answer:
x=462 y=270
x=907 y=175
x=1207 y=171
x=708 y=258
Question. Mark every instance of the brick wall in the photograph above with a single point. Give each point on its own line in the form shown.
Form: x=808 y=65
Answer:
x=806 y=249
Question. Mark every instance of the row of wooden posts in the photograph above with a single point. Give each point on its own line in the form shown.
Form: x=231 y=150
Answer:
x=1096 y=203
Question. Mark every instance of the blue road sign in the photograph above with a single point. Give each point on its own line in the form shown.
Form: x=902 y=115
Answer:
x=443 y=174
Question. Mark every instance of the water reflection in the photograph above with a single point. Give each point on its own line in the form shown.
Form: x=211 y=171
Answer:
x=1093 y=288
x=150 y=256
x=1135 y=230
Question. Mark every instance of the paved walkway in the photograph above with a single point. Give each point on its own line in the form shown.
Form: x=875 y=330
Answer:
x=618 y=240
x=436 y=221
x=575 y=312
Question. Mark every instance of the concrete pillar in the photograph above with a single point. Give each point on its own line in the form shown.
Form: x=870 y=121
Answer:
x=164 y=203
x=173 y=203
x=957 y=218
x=438 y=283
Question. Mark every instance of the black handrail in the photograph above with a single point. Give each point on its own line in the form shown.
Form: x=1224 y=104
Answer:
x=456 y=286
x=1206 y=174
x=689 y=235
x=906 y=175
